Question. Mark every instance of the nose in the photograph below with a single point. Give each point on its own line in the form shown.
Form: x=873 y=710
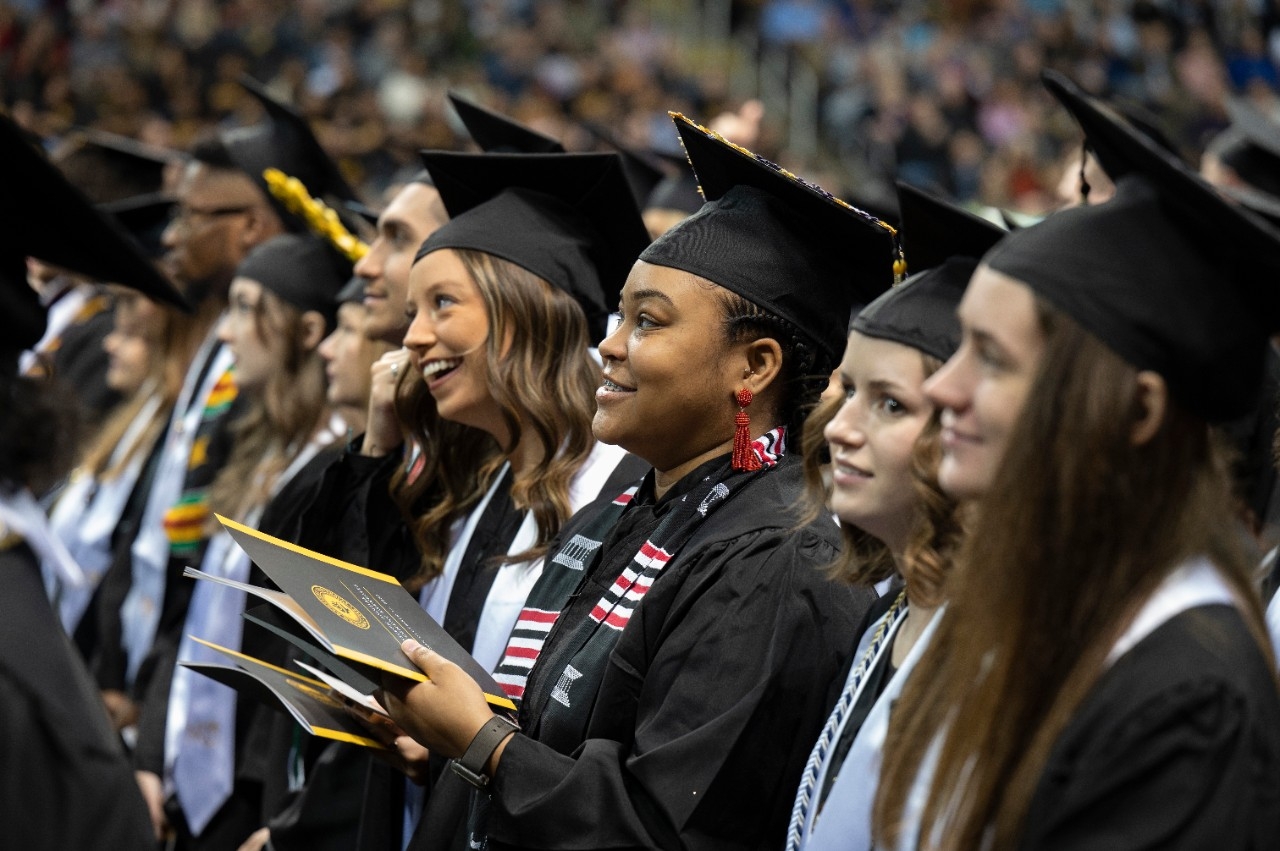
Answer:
x=951 y=386
x=844 y=428
x=169 y=236
x=370 y=265
x=224 y=330
x=325 y=349
x=613 y=347
x=421 y=335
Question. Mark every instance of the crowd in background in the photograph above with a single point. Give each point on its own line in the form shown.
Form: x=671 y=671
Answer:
x=943 y=94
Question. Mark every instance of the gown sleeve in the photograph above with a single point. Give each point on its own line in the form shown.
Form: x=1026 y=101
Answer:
x=692 y=741
x=1192 y=764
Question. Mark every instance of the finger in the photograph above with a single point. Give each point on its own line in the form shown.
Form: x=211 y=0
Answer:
x=420 y=656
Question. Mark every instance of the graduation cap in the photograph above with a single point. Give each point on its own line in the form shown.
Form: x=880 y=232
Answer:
x=644 y=170
x=50 y=219
x=303 y=270
x=497 y=134
x=568 y=218
x=1250 y=147
x=678 y=190
x=1264 y=205
x=108 y=167
x=1170 y=275
x=145 y=217
x=934 y=230
x=285 y=141
x=352 y=291
x=942 y=244
x=783 y=244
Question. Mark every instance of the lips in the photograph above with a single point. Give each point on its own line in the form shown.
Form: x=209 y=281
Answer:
x=846 y=468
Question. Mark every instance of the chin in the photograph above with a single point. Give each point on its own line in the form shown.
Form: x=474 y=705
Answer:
x=960 y=483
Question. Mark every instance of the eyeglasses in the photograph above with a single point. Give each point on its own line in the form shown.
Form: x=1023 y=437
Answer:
x=185 y=215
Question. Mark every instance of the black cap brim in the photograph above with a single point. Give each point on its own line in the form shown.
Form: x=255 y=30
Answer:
x=495 y=133
x=934 y=230
x=285 y=142
x=55 y=223
x=591 y=188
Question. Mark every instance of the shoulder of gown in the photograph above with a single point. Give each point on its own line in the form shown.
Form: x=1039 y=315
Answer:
x=64 y=779
x=1177 y=746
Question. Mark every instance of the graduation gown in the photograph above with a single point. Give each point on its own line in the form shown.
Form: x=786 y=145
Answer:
x=342 y=506
x=64 y=780
x=1177 y=746
x=698 y=732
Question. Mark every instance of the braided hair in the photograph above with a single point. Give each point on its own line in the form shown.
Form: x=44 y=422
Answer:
x=806 y=368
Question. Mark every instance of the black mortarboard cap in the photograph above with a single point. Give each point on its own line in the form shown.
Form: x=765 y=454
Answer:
x=113 y=167
x=50 y=219
x=942 y=244
x=934 y=230
x=362 y=211
x=781 y=243
x=1170 y=275
x=644 y=170
x=497 y=134
x=145 y=217
x=352 y=291
x=568 y=218
x=285 y=142
x=678 y=190
x=1251 y=147
x=1260 y=203
x=303 y=270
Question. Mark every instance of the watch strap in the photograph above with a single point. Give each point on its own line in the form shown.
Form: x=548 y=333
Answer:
x=470 y=766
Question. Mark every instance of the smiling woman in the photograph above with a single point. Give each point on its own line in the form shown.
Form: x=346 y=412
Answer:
x=681 y=636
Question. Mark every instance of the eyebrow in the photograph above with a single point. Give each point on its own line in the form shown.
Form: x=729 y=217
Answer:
x=641 y=295
x=986 y=338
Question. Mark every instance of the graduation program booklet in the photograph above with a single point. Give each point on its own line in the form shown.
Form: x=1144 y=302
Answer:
x=311 y=701
x=359 y=615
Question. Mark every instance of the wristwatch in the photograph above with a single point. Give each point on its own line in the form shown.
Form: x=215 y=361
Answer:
x=470 y=766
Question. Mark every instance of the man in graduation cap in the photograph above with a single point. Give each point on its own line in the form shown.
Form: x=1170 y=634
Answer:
x=681 y=635
x=64 y=780
x=413 y=214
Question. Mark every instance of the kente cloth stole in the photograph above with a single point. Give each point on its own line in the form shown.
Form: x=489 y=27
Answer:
x=185 y=523
x=588 y=647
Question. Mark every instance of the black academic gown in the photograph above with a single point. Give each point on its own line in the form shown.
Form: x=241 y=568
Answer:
x=711 y=697
x=349 y=513
x=1177 y=747
x=64 y=781
x=324 y=814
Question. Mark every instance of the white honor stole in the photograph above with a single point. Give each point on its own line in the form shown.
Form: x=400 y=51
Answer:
x=1194 y=584
x=86 y=516
x=845 y=819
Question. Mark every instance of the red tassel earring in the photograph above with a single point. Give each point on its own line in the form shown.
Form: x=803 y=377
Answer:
x=744 y=457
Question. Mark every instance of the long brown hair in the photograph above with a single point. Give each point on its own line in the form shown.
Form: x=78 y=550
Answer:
x=278 y=422
x=1056 y=565
x=864 y=559
x=544 y=381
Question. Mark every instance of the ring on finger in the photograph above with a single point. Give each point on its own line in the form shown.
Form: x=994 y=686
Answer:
x=395 y=370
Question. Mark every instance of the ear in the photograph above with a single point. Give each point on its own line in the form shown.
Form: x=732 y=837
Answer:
x=1151 y=398
x=313 y=330
x=763 y=364
x=261 y=223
